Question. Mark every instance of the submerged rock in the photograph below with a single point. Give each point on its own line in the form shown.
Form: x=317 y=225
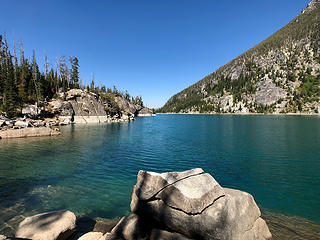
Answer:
x=48 y=226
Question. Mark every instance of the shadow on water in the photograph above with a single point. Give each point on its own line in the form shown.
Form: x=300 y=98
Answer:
x=291 y=227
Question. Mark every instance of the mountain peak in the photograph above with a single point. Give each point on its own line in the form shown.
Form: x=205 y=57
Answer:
x=312 y=5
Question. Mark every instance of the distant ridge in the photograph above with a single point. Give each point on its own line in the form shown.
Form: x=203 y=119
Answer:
x=279 y=75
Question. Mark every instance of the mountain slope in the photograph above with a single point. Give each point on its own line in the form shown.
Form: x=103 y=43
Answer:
x=279 y=75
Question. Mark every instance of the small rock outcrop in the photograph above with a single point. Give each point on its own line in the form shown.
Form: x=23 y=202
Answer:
x=79 y=106
x=145 y=112
x=127 y=107
x=58 y=225
x=82 y=106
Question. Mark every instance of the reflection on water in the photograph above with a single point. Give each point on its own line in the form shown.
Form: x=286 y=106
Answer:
x=91 y=169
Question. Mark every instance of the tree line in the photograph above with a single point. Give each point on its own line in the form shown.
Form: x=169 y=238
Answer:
x=22 y=82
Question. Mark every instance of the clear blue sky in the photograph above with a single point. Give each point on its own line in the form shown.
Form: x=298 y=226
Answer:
x=150 y=48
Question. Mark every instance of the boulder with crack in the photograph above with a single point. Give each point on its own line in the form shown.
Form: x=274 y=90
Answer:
x=193 y=204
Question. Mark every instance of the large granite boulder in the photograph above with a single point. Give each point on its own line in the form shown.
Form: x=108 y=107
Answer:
x=86 y=107
x=22 y=124
x=193 y=204
x=144 y=112
x=30 y=110
x=80 y=106
x=58 y=225
x=127 y=107
x=74 y=93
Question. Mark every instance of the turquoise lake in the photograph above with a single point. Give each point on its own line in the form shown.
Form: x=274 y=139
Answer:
x=91 y=169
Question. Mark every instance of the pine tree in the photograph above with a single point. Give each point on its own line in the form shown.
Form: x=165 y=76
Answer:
x=63 y=74
x=9 y=94
x=23 y=76
x=74 y=72
x=92 y=84
x=36 y=81
x=1 y=69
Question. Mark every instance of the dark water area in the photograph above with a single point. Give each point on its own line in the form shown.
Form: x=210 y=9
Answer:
x=91 y=169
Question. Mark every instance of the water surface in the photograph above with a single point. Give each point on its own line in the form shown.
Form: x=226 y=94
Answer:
x=90 y=169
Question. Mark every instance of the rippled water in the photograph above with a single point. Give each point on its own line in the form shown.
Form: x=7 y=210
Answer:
x=90 y=169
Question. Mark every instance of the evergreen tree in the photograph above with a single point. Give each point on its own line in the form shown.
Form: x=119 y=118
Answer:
x=21 y=81
x=23 y=77
x=63 y=74
x=9 y=94
x=92 y=88
x=35 y=83
x=74 y=72
x=1 y=69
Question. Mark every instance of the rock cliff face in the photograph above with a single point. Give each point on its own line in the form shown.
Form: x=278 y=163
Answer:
x=81 y=106
x=279 y=75
x=74 y=106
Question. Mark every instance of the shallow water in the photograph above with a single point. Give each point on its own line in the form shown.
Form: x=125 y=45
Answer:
x=90 y=169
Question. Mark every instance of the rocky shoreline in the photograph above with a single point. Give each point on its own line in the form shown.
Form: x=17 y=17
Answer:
x=244 y=114
x=173 y=205
x=76 y=106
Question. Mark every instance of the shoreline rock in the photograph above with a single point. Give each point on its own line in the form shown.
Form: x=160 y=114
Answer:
x=48 y=226
x=194 y=205
x=76 y=106
x=29 y=132
x=174 y=205
x=281 y=226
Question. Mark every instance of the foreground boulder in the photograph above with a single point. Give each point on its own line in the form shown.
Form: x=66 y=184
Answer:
x=58 y=225
x=194 y=205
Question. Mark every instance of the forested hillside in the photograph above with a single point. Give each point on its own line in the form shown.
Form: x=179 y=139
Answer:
x=22 y=82
x=279 y=75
